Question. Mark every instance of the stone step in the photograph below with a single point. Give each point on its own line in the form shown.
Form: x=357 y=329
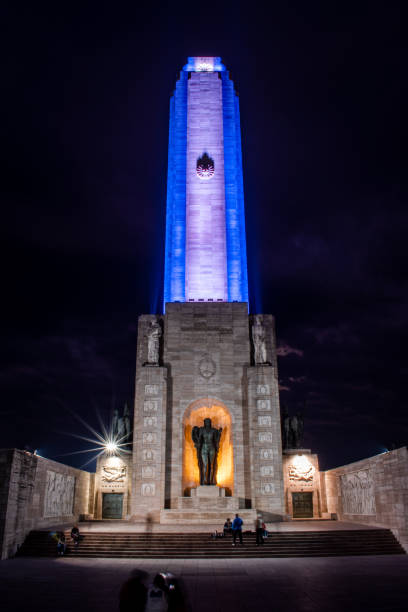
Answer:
x=289 y=544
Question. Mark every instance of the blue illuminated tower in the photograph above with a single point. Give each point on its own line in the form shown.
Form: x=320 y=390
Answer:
x=205 y=225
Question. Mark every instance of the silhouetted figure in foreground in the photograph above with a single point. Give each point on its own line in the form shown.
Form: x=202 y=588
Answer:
x=133 y=593
x=157 y=595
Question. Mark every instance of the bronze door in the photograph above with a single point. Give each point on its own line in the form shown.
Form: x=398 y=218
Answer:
x=112 y=505
x=302 y=505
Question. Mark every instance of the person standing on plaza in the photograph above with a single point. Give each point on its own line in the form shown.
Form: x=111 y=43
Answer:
x=237 y=529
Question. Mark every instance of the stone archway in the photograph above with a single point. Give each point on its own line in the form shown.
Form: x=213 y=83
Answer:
x=220 y=417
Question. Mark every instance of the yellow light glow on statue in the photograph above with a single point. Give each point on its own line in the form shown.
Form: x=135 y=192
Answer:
x=220 y=417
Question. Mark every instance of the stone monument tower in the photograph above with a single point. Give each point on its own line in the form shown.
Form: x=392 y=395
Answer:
x=206 y=422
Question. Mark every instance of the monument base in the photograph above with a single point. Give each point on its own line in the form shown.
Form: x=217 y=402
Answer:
x=217 y=502
x=205 y=491
x=207 y=517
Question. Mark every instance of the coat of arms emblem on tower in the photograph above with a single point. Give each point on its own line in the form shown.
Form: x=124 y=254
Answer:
x=205 y=167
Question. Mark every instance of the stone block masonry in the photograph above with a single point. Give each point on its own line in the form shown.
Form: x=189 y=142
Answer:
x=37 y=493
x=373 y=491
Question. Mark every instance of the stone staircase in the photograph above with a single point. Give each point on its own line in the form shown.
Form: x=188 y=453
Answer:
x=201 y=545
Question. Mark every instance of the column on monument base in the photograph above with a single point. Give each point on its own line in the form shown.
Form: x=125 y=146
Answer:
x=149 y=443
x=264 y=442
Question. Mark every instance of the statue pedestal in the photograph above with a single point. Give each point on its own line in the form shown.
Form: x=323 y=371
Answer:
x=208 y=491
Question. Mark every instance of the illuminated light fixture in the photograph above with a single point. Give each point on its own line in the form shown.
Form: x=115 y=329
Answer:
x=204 y=64
x=204 y=67
x=111 y=447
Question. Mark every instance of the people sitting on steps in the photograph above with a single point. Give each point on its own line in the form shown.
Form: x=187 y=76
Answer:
x=75 y=535
x=227 y=527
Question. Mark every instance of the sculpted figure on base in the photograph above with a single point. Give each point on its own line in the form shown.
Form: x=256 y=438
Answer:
x=259 y=340
x=207 y=440
x=292 y=430
x=154 y=334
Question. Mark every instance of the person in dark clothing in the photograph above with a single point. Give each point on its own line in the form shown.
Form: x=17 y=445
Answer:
x=75 y=535
x=61 y=544
x=259 y=531
x=158 y=595
x=237 y=529
x=227 y=527
x=133 y=593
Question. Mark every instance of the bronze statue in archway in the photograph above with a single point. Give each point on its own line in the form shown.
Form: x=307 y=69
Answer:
x=207 y=441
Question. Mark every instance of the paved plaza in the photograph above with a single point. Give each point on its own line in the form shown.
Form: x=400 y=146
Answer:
x=343 y=584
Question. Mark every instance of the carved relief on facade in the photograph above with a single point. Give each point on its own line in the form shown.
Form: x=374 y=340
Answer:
x=265 y=436
x=267 y=488
x=148 y=471
x=263 y=404
x=266 y=453
x=301 y=473
x=150 y=405
x=262 y=390
x=149 y=437
x=264 y=421
x=148 y=489
x=113 y=473
x=207 y=367
x=151 y=389
x=266 y=470
x=59 y=494
x=150 y=421
x=149 y=454
x=357 y=493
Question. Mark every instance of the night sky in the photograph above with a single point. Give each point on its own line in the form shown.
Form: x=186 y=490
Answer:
x=85 y=107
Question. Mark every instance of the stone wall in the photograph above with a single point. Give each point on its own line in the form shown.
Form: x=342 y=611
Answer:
x=37 y=493
x=372 y=491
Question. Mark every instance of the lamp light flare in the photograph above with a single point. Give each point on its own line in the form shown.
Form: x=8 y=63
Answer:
x=111 y=447
x=105 y=443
